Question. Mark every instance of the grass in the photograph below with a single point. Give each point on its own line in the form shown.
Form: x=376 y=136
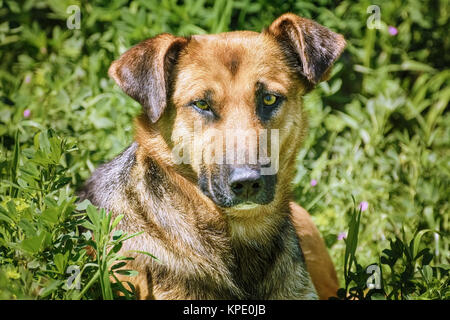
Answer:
x=379 y=134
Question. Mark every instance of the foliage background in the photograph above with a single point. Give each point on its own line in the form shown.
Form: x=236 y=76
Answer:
x=379 y=130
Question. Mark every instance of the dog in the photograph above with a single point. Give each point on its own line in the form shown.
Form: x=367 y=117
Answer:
x=220 y=229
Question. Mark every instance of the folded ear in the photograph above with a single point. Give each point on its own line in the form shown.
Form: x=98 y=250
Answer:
x=144 y=72
x=310 y=48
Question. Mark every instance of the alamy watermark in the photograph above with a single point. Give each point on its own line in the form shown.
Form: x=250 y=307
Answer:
x=73 y=282
x=230 y=146
x=374 y=20
x=74 y=20
x=374 y=280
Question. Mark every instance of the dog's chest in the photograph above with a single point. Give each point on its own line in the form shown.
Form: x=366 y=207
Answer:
x=236 y=270
x=199 y=259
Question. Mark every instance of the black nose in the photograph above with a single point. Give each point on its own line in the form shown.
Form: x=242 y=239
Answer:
x=246 y=183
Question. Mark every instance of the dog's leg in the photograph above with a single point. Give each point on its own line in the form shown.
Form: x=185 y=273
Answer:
x=318 y=261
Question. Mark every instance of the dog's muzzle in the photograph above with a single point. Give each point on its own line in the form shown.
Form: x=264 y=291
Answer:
x=240 y=187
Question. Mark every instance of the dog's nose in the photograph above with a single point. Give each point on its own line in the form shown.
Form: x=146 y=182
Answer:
x=246 y=183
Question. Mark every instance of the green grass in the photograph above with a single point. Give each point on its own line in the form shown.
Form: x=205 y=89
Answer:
x=379 y=133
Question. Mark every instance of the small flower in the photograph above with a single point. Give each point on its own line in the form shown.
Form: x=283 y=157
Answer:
x=26 y=113
x=27 y=79
x=313 y=182
x=392 y=30
x=363 y=206
x=342 y=235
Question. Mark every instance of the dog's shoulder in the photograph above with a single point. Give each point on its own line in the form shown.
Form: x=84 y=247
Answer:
x=109 y=177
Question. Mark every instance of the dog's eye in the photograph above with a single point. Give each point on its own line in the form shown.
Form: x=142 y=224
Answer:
x=268 y=104
x=202 y=105
x=270 y=99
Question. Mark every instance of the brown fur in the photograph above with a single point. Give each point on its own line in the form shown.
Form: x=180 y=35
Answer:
x=205 y=250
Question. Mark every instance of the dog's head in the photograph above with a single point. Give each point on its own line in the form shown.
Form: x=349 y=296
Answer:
x=229 y=105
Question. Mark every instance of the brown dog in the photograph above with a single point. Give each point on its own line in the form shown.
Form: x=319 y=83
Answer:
x=221 y=229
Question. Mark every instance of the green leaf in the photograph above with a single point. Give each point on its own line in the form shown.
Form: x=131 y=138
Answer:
x=377 y=296
x=118 y=265
x=4 y=217
x=44 y=143
x=51 y=215
x=60 y=261
x=130 y=273
x=14 y=163
x=89 y=225
x=93 y=215
x=50 y=287
x=116 y=221
x=106 y=287
x=427 y=273
x=33 y=245
x=443 y=266
x=28 y=228
x=83 y=205
x=412 y=65
x=352 y=240
x=416 y=243
x=33 y=264
x=117 y=234
x=144 y=252
x=105 y=221
x=117 y=247
x=132 y=236
x=11 y=208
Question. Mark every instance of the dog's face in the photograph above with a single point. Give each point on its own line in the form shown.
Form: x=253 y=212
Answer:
x=231 y=86
x=229 y=105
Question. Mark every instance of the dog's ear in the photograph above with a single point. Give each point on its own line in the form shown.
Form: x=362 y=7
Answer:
x=310 y=47
x=144 y=72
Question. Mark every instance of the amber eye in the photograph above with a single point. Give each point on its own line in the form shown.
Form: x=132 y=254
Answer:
x=202 y=105
x=269 y=99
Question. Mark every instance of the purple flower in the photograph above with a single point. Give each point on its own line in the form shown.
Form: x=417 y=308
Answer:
x=392 y=30
x=342 y=235
x=27 y=79
x=363 y=206
x=313 y=182
x=26 y=113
